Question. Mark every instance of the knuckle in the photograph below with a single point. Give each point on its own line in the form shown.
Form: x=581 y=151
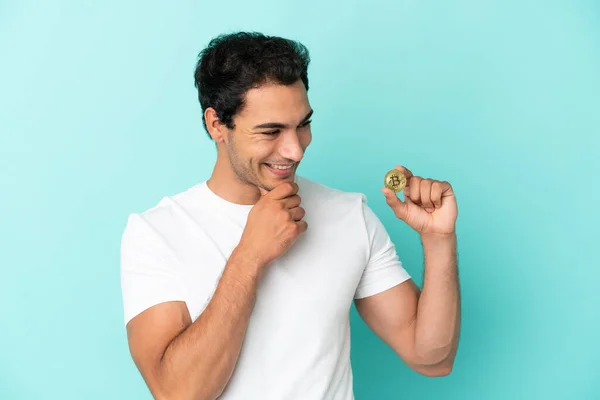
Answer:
x=291 y=187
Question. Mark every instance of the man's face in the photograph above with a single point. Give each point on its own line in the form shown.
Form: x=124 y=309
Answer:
x=271 y=134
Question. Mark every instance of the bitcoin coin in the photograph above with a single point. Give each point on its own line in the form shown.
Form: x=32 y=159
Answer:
x=395 y=180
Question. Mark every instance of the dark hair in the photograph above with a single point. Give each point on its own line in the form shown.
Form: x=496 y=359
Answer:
x=233 y=63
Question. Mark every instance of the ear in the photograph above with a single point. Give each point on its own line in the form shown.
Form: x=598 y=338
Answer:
x=217 y=130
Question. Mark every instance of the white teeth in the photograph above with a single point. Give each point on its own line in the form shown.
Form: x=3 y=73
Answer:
x=280 y=166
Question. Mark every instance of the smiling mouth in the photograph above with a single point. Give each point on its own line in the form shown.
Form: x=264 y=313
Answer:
x=282 y=167
x=280 y=171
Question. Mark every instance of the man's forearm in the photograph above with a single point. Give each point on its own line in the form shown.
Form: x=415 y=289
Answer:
x=438 y=313
x=199 y=362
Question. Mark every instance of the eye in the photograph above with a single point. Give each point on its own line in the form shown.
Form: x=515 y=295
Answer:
x=306 y=124
x=271 y=133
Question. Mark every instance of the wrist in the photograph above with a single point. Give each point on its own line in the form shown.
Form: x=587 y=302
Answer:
x=438 y=238
x=247 y=261
x=439 y=251
x=439 y=245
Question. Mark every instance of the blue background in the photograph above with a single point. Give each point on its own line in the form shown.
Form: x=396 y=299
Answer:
x=99 y=118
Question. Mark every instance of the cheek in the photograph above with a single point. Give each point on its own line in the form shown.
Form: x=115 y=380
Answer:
x=262 y=151
x=305 y=139
x=240 y=155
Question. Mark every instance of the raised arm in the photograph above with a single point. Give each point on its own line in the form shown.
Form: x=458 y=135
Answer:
x=422 y=327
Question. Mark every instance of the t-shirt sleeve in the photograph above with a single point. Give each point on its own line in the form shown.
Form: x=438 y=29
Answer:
x=148 y=270
x=384 y=269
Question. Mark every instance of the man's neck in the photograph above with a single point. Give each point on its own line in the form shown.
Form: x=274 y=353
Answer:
x=225 y=184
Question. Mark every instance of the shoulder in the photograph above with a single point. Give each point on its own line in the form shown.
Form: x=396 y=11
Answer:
x=164 y=212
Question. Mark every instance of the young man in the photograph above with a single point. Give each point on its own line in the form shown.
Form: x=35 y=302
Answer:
x=241 y=286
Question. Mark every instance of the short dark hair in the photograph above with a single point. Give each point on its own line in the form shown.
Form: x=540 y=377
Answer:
x=234 y=63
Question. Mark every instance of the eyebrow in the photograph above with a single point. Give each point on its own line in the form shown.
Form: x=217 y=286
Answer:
x=279 y=125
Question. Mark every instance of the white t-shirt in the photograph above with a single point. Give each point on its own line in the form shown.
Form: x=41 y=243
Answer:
x=297 y=345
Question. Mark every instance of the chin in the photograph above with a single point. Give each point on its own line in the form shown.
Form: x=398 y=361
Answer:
x=270 y=184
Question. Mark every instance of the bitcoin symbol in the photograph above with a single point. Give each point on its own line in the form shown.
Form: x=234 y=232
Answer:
x=395 y=180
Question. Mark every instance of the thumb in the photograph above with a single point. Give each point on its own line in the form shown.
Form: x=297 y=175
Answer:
x=398 y=206
x=263 y=191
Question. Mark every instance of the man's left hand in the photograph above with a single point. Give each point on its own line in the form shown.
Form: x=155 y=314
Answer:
x=429 y=206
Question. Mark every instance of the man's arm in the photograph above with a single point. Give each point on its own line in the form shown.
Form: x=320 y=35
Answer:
x=422 y=328
x=179 y=359
x=182 y=360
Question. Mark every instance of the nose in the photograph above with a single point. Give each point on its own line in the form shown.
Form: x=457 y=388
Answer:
x=291 y=147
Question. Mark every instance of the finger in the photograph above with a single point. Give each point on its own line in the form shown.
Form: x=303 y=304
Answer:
x=447 y=189
x=406 y=192
x=405 y=171
x=297 y=213
x=284 y=190
x=395 y=203
x=437 y=188
x=425 y=189
x=263 y=191
x=414 y=191
x=407 y=198
x=302 y=226
x=292 y=202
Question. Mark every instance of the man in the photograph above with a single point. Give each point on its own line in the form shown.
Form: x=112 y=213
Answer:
x=241 y=286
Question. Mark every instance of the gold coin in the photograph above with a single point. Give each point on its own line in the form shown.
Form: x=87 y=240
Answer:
x=395 y=180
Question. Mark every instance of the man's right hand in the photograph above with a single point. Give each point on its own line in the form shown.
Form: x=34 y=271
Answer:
x=274 y=223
